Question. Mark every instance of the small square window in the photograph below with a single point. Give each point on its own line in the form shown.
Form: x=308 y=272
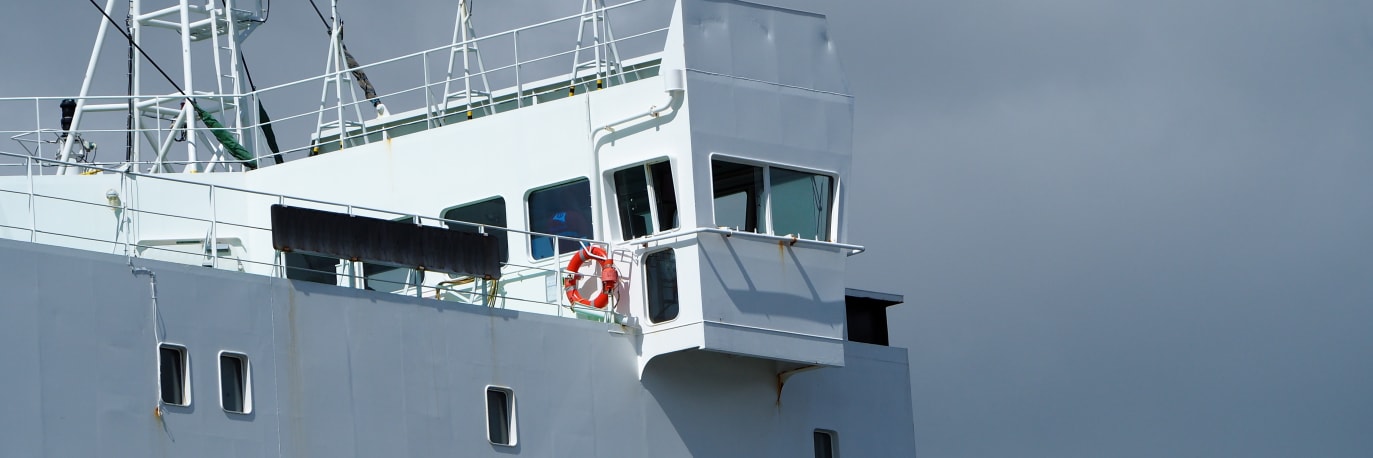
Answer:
x=825 y=443
x=174 y=380
x=235 y=383
x=501 y=427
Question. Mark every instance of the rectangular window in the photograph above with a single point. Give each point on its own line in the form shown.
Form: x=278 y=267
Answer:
x=639 y=202
x=738 y=195
x=562 y=210
x=235 y=383
x=661 y=268
x=500 y=416
x=824 y=443
x=174 y=374
x=489 y=212
x=800 y=203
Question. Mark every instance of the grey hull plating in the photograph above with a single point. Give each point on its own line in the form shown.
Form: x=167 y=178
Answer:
x=346 y=372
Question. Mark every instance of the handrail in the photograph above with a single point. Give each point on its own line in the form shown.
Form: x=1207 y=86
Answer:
x=727 y=232
x=533 y=77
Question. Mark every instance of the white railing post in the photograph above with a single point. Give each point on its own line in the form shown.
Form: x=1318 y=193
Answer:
x=428 y=94
x=519 y=84
x=214 y=231
x=280 y=258
x=33 y=208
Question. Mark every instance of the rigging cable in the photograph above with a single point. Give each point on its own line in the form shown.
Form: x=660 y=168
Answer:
x=220 y=133
x=368 y=90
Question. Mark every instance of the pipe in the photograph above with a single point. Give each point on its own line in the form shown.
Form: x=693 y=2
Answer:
x=64 y=154
x=674 y=84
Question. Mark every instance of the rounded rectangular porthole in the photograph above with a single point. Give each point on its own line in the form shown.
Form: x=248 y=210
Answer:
x=501 y=425
x=174 y=374
x=235 y=383
x=826 y=443
x=661 y=268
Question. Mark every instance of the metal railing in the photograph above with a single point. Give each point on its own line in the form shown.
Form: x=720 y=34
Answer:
x=255 y=255
x=525 y=81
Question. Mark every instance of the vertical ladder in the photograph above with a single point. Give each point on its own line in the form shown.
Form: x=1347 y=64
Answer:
x=464 y=37
x=605 y=58
x=224 y=42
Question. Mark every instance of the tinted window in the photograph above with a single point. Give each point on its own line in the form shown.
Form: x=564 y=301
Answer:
x=824 y=444
x=633 y=195
x=500 y=416
x=233 y=382
x=665 y=195
x=800 y=203
x=661 y=268
x=490 y=212
x=738 y=190
x=172 y=374
x=563 y=210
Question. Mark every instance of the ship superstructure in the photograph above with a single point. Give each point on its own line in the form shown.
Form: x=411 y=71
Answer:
x=534 y=251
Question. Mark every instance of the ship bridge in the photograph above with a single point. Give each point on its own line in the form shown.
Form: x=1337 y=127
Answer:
x=691 y=197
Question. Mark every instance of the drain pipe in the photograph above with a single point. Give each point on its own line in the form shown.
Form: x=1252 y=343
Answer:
x=674 y=84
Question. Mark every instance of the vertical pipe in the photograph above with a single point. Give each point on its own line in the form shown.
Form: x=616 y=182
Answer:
x=64 y=154
x=186 y=75
x=136 y=30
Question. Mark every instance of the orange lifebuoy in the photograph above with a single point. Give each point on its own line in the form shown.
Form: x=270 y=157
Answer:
x=609 y=277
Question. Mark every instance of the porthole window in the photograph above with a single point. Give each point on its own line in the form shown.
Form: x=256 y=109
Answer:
x=501 y=427
x=173 y=370
x=825 y=444
x=235 y=383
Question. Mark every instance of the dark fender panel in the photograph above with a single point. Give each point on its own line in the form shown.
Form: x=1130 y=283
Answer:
x=404 y=244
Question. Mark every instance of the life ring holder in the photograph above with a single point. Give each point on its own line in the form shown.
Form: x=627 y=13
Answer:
x=609 y=277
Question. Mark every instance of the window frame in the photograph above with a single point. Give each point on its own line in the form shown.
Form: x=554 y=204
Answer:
x=833 y=441
x=654 y=210
x=185 y=374
x=648 y=306
x=512 y=418
x=247 y=378
x=765 y=194
x=529 y=221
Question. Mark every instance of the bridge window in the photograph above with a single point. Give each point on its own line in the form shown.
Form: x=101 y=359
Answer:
x=799 y=202
x=235 y=384
x=173 y=370
x=643 y=192
x=661 y=268
x=562 y=210
x=490 y=212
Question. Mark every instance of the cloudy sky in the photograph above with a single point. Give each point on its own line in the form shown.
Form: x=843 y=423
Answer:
x=1121 y=228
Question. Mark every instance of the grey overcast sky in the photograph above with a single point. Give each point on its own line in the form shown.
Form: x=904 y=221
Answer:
x=1121 y=228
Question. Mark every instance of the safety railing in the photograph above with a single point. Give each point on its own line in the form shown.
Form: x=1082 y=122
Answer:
x=313 y=126
x=234 y=222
